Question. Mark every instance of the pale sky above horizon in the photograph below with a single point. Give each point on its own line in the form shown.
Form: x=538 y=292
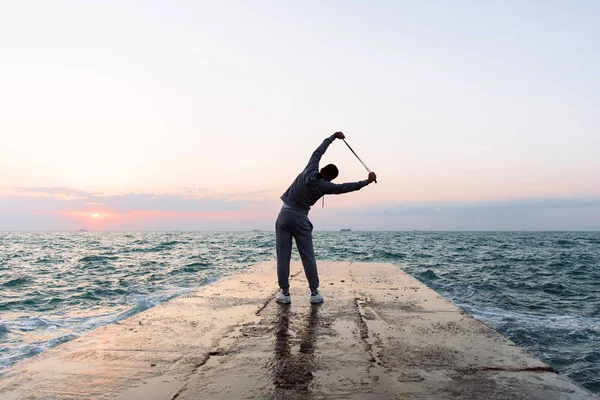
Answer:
x=197 y=115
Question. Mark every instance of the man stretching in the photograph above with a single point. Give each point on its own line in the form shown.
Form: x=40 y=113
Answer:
x=293 y=221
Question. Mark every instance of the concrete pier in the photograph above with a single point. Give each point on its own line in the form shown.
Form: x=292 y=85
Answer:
x=380 y=334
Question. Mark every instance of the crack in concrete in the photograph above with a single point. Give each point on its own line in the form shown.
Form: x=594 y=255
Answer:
x=383 y=383
x=525 y=369
x=201 y=363
x=270 y=299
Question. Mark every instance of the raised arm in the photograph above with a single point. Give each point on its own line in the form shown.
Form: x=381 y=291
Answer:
x=313 y=163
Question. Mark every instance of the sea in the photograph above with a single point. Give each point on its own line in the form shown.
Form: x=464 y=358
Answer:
x=539 y=289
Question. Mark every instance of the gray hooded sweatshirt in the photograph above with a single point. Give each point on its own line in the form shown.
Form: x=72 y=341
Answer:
x=308 y=187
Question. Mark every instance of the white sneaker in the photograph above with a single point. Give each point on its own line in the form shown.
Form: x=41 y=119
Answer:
x=316 y=298
x=283 y=299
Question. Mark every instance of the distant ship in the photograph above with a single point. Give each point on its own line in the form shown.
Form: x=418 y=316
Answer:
x=345 y=230
x=82 y=230
x=256 y=230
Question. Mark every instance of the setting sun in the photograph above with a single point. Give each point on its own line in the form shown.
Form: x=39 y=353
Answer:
x=95 y=215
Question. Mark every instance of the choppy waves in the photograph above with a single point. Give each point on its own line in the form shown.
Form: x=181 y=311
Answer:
x=541 y=290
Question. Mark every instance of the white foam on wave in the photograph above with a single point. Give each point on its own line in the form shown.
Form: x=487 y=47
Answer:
x=29 y=336
x=27 y=324
x=497 y=316
x=141 y=305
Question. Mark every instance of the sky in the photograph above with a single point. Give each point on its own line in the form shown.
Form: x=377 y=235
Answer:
x=193 y=115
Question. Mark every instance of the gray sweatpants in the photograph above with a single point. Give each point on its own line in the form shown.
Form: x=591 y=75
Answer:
x=291 y=223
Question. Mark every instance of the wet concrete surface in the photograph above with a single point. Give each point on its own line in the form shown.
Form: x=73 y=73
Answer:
x=380 y=334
